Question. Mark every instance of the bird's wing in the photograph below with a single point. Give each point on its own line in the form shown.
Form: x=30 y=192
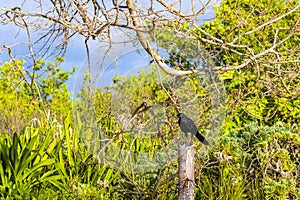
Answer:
x=191 y=126
x=187 y=125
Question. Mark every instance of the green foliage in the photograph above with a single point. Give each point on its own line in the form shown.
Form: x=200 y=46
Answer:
x=43 y=148
x=25 y=164
x=20 y=107
x=43 y=160
x=254 y=162
x=156 y=89
x=265 y=93
x=13 y=93
x=51 y=159
x=249 y=101
x=265 y=90
x=106 y=114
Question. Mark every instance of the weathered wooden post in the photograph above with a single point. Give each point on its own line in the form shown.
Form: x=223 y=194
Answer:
x=186 y=169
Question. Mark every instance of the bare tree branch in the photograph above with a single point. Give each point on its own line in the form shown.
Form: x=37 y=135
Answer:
x=147 y=46
x=93 y=19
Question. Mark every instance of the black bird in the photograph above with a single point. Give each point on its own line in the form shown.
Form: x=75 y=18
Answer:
x=188 y=126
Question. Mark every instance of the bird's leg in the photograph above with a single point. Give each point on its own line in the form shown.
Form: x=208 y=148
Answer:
x=186 y=139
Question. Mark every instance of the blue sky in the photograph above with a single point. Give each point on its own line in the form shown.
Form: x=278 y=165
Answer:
x=122 y=60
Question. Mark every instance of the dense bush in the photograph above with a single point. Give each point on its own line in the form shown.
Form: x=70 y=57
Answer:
x=253 y=162
x=23 y=102
x=264 y=93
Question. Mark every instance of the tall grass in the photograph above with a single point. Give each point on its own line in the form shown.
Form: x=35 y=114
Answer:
x=51 y=161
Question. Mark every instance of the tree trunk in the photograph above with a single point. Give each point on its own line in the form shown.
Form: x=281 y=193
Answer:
x=186 y=165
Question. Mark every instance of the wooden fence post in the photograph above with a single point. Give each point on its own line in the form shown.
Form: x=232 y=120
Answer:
x=186 y=169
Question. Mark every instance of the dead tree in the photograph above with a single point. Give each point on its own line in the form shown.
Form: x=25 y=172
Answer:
x=186 y=171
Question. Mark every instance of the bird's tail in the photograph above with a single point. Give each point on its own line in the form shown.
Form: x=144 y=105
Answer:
x=201 y=138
